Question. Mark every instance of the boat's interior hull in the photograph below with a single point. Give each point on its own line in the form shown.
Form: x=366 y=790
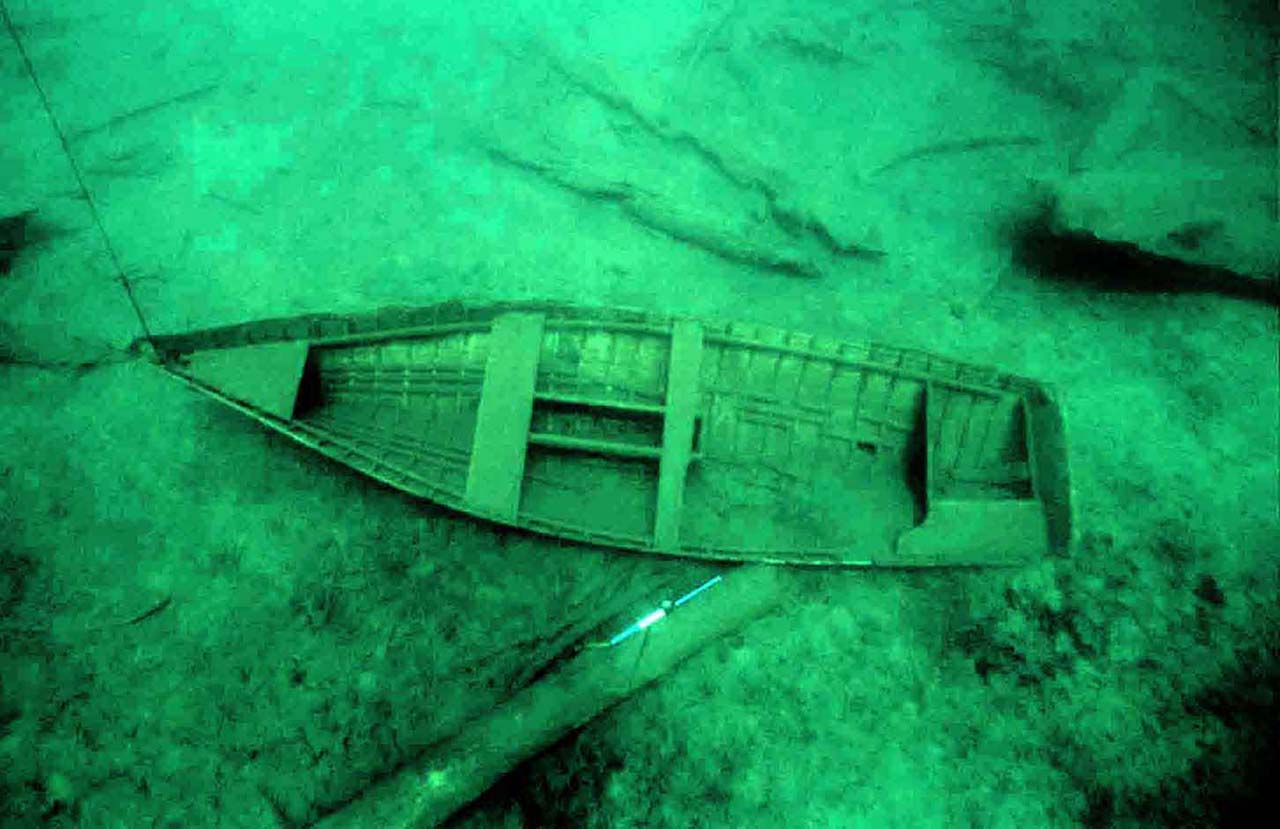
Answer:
x=715 y=441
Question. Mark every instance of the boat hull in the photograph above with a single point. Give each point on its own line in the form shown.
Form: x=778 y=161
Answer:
x=620 y=428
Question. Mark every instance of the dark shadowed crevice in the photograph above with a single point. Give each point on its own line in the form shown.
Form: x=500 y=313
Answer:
x=1069 y=258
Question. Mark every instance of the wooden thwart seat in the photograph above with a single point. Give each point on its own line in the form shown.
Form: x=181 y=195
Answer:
x=501 y=439
x=683 y=370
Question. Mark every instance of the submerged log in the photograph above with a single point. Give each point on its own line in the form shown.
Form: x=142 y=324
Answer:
x=458 y=769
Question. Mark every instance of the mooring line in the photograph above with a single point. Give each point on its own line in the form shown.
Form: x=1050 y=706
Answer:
x=75 y=169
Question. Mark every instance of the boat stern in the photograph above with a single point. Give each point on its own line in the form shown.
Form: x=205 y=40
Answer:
x=1019 y=512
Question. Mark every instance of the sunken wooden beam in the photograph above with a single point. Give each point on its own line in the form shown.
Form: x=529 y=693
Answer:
x=454 y=772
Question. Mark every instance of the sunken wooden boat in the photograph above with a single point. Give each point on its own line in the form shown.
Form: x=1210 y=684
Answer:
x=726 y=441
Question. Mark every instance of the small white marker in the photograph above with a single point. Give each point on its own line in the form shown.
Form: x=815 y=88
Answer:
x=654 y=616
